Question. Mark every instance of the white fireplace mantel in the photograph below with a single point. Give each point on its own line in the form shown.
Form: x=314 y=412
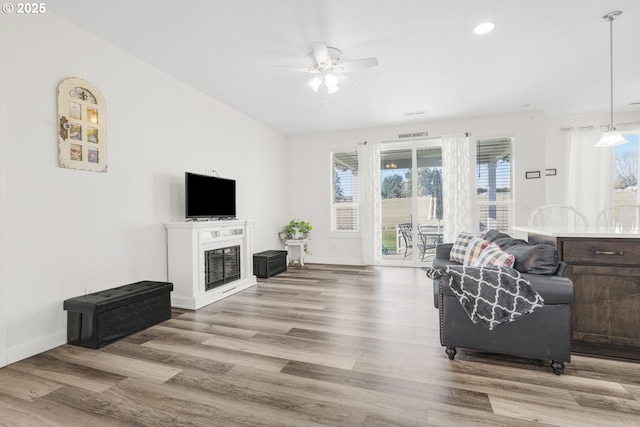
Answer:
x=187 y=243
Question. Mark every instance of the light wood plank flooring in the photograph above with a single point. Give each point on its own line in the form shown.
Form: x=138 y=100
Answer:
x=317 y=345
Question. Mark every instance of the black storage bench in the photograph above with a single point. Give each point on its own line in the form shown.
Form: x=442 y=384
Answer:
x=97 y=319
x=269 y=263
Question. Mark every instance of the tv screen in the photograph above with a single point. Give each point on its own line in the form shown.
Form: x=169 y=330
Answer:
x=209 y=196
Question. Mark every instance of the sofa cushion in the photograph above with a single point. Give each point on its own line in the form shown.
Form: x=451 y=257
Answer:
x=493 y=255
x=459 y=248
x=535 y=259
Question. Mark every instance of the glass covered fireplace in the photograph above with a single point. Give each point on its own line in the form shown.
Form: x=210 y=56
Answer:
x=221 y=266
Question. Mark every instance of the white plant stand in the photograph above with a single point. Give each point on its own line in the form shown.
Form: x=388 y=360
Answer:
x=300 y=243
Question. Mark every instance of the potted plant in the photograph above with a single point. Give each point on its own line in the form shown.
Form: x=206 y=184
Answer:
x=296 y=229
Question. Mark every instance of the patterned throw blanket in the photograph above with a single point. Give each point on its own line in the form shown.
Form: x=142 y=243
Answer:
x=490 y=295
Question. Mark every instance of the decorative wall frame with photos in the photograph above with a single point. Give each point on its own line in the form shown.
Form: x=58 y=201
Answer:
x=82 y=126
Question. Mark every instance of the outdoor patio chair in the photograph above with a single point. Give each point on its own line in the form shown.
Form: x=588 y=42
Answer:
x=426 y=240
x=406 y=230
x=430 y=237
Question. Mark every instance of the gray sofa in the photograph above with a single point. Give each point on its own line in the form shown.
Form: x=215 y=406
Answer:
x=542 y=334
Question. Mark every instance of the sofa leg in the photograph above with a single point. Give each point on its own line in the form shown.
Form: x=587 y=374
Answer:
x=451 y=352
x=558 y=367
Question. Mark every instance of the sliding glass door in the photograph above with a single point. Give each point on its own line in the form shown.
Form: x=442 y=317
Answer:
x=411 y=201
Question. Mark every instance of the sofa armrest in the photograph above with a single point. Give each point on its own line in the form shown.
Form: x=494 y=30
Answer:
x=443 y=250
x=562 y=269
x=553 y=289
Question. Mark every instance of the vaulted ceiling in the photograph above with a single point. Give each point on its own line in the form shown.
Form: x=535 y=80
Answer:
x=544 y=55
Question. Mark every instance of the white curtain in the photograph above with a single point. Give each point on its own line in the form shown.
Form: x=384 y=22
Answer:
x=458 y=181
x=590 y=178
x=370 y=203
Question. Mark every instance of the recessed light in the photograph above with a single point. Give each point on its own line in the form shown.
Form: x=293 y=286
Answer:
x=484 y=28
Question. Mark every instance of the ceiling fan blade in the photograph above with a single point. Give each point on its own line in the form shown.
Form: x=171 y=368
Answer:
x=356 y=64
x=302 y=69
x=321 y=54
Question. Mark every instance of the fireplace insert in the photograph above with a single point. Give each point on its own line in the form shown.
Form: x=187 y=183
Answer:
x=221 y=266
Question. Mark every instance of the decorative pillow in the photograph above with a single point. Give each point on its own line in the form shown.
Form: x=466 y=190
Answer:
x=503 y=240
x=493 y=255
x=459 y=247
x=475 y=248
x=536 y=259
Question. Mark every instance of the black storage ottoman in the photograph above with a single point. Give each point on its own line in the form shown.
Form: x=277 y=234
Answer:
x=97 y=319
x=269 y=263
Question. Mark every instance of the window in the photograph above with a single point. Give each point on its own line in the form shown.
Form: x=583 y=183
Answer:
x=494 y=184
x=625 y=171
x=344 y=192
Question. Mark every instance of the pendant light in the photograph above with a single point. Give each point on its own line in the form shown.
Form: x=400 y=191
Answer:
x=612 y=136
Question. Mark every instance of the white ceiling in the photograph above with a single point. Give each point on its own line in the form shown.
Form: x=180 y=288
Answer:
x=544 y=55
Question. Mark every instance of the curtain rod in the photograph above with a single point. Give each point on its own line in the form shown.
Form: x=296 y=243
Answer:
x=466 y=134
x=391 y=141
x=590 y=127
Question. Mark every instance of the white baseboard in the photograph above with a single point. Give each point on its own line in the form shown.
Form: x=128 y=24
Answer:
x=37 y=346
x=333 y=261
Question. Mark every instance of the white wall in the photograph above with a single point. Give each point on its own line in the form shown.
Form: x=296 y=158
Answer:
x=3 y=251
x=309 y=172
x=68 y=230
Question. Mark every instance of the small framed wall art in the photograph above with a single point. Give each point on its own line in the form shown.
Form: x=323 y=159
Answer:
x=532 y=174
x=82 y=126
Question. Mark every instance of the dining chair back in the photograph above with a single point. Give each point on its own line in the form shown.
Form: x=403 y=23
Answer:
x=557 y=215
x=624 y=218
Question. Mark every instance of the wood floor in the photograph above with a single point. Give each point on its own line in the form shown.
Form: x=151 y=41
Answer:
x=318 y=345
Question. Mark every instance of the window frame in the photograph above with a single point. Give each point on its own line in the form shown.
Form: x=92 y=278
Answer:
x=354 y=204
x=509 y=204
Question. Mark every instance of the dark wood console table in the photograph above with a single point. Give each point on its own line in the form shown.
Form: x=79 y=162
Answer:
x=605 y=269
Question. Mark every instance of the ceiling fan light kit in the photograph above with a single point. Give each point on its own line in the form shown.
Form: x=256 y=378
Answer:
x=328 y=67
x=612 y=137
x=331 y=81
x=315 y=83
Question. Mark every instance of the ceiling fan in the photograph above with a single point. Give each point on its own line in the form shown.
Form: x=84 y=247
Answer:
x=328 y=67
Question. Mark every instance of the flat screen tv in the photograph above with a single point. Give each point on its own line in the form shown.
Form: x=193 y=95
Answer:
x=209 y=196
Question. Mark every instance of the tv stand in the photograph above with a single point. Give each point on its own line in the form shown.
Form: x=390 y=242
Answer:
x=188 y=243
